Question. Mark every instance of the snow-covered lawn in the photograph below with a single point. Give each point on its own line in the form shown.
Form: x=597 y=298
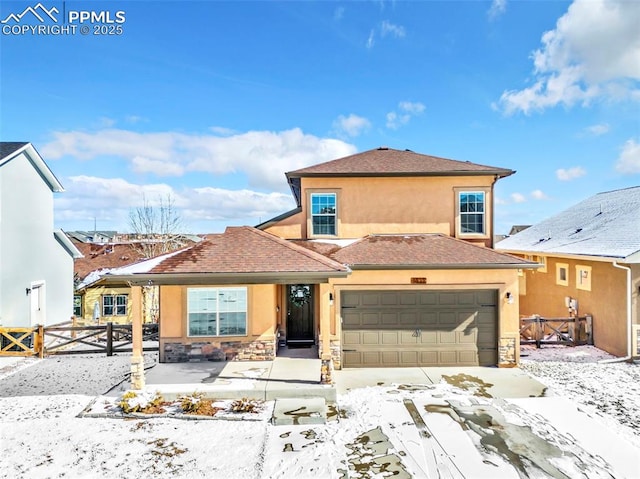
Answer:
x=372 y=433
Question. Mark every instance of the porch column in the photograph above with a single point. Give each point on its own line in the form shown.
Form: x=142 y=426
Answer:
x=325 y=322
x=325 y=333
x=137 y=360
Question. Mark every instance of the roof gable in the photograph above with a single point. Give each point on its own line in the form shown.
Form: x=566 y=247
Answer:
x=424 y=251
x=605 y=225
x=11 y=150
x=389 y=162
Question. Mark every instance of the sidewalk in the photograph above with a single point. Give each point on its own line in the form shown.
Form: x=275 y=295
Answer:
x=282 y=378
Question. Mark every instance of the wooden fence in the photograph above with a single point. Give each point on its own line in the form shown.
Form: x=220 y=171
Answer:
x=572 y=331
x=69 y=339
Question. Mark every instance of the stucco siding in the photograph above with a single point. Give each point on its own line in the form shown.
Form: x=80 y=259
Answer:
x=262 y=319
x=390 y=205
x=606 y=301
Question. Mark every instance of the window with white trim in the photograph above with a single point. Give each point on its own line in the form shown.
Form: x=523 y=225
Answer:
x=217 y=311
x=562 y=274
x=323 y=213
x=471 y=208
x=583 y=277
x=114 y=305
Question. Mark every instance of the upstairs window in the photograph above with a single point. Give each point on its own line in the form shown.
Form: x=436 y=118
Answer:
x=323 y=213
x=472 y=212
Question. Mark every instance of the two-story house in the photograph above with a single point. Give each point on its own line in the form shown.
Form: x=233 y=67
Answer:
x=36 y=262
x=386 y=260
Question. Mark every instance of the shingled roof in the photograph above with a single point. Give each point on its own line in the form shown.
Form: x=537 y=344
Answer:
x=104 y=256
x=424 y=251
x=605 y=225
x=242 y=254
x=385 y=161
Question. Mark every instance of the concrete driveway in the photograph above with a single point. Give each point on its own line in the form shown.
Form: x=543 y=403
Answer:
x=481 y=381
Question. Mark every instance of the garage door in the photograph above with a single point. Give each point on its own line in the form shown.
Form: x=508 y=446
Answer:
x=419 y=328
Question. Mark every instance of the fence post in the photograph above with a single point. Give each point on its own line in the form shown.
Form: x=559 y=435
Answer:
x=589 y=329
x=109 y=338
x=74 y=323
x=39 y=342
x=572 y=330
x=538 y=331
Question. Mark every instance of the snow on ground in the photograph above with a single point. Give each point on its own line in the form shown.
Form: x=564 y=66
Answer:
x=372 y=434
x=607 y=391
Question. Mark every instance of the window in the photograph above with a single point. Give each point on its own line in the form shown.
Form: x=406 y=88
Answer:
x=217 y=311
x=77 y=305
x=543 y=261
x=562 y=274
x=323 y=213
x=472 y=212
x=583 y=277
x=114 y=305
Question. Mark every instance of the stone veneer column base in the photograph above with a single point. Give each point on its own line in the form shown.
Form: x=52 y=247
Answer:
x=137 y=373
x=336 y=359
x=256 y=350
x=507 y=357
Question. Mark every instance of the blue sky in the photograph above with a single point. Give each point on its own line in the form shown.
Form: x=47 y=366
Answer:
x=211 y=102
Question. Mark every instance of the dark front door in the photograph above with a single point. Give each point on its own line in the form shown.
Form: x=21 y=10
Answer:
x=300 y=315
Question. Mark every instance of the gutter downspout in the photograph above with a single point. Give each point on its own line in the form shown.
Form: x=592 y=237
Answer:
x=629 y=355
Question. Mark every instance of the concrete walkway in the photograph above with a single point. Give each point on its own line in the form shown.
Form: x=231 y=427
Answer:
x=282 y=378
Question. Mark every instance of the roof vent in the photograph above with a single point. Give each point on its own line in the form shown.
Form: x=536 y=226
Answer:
x=383 y=148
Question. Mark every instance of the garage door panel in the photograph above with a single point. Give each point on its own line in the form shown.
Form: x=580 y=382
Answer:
x=389 y=319
x=408 y=358
x=391 y=358
x=419 y=328
x=390 y=338
x=409 y=318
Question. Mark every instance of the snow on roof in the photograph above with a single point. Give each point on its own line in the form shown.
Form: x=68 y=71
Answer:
x=135 y=268
x=605 y=225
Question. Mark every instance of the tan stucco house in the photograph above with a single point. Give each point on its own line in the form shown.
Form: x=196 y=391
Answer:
x=387 y=260
x=590 y=253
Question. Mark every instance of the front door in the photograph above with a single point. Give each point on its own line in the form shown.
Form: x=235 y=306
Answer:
x=300 y=315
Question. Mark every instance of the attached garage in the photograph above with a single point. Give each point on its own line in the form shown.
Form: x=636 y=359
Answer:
x=382 y=328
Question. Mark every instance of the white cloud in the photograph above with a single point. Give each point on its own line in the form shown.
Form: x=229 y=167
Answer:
x=388 y=28
x=223 y=131
x=539 y=195
x=597 y=130
x=111 y=199
x=263 y=156
x=338 y=14
x=406 y=110
x=498 y=7
x=518 y=198
x=352 y=125
x=371 y=39
x=593 y=52
x=570 y=174
x=629 y=159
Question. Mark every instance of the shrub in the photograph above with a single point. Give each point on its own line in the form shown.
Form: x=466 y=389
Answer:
x=246 y=405
x=196 y=404
x=141 y=401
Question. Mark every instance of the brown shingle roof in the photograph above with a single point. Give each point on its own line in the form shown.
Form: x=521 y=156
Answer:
x=389 y=162
x=104 y=256
x=245 y=250
x=430 y=250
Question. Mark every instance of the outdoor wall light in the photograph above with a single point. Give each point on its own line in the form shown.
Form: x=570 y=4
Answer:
x=27 y=291
x=330 y=299
x=509 y=297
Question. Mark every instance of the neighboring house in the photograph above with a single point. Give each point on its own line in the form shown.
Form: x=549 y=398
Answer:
x=97 y=301
x=589 y=253
x=93 y=236
x=387 y=260
x=36 y=262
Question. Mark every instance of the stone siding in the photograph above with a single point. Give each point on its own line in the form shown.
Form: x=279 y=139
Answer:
x=257 y=350
x=507 y=357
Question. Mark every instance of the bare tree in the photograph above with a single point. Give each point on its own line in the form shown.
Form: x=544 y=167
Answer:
x=157 y=226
